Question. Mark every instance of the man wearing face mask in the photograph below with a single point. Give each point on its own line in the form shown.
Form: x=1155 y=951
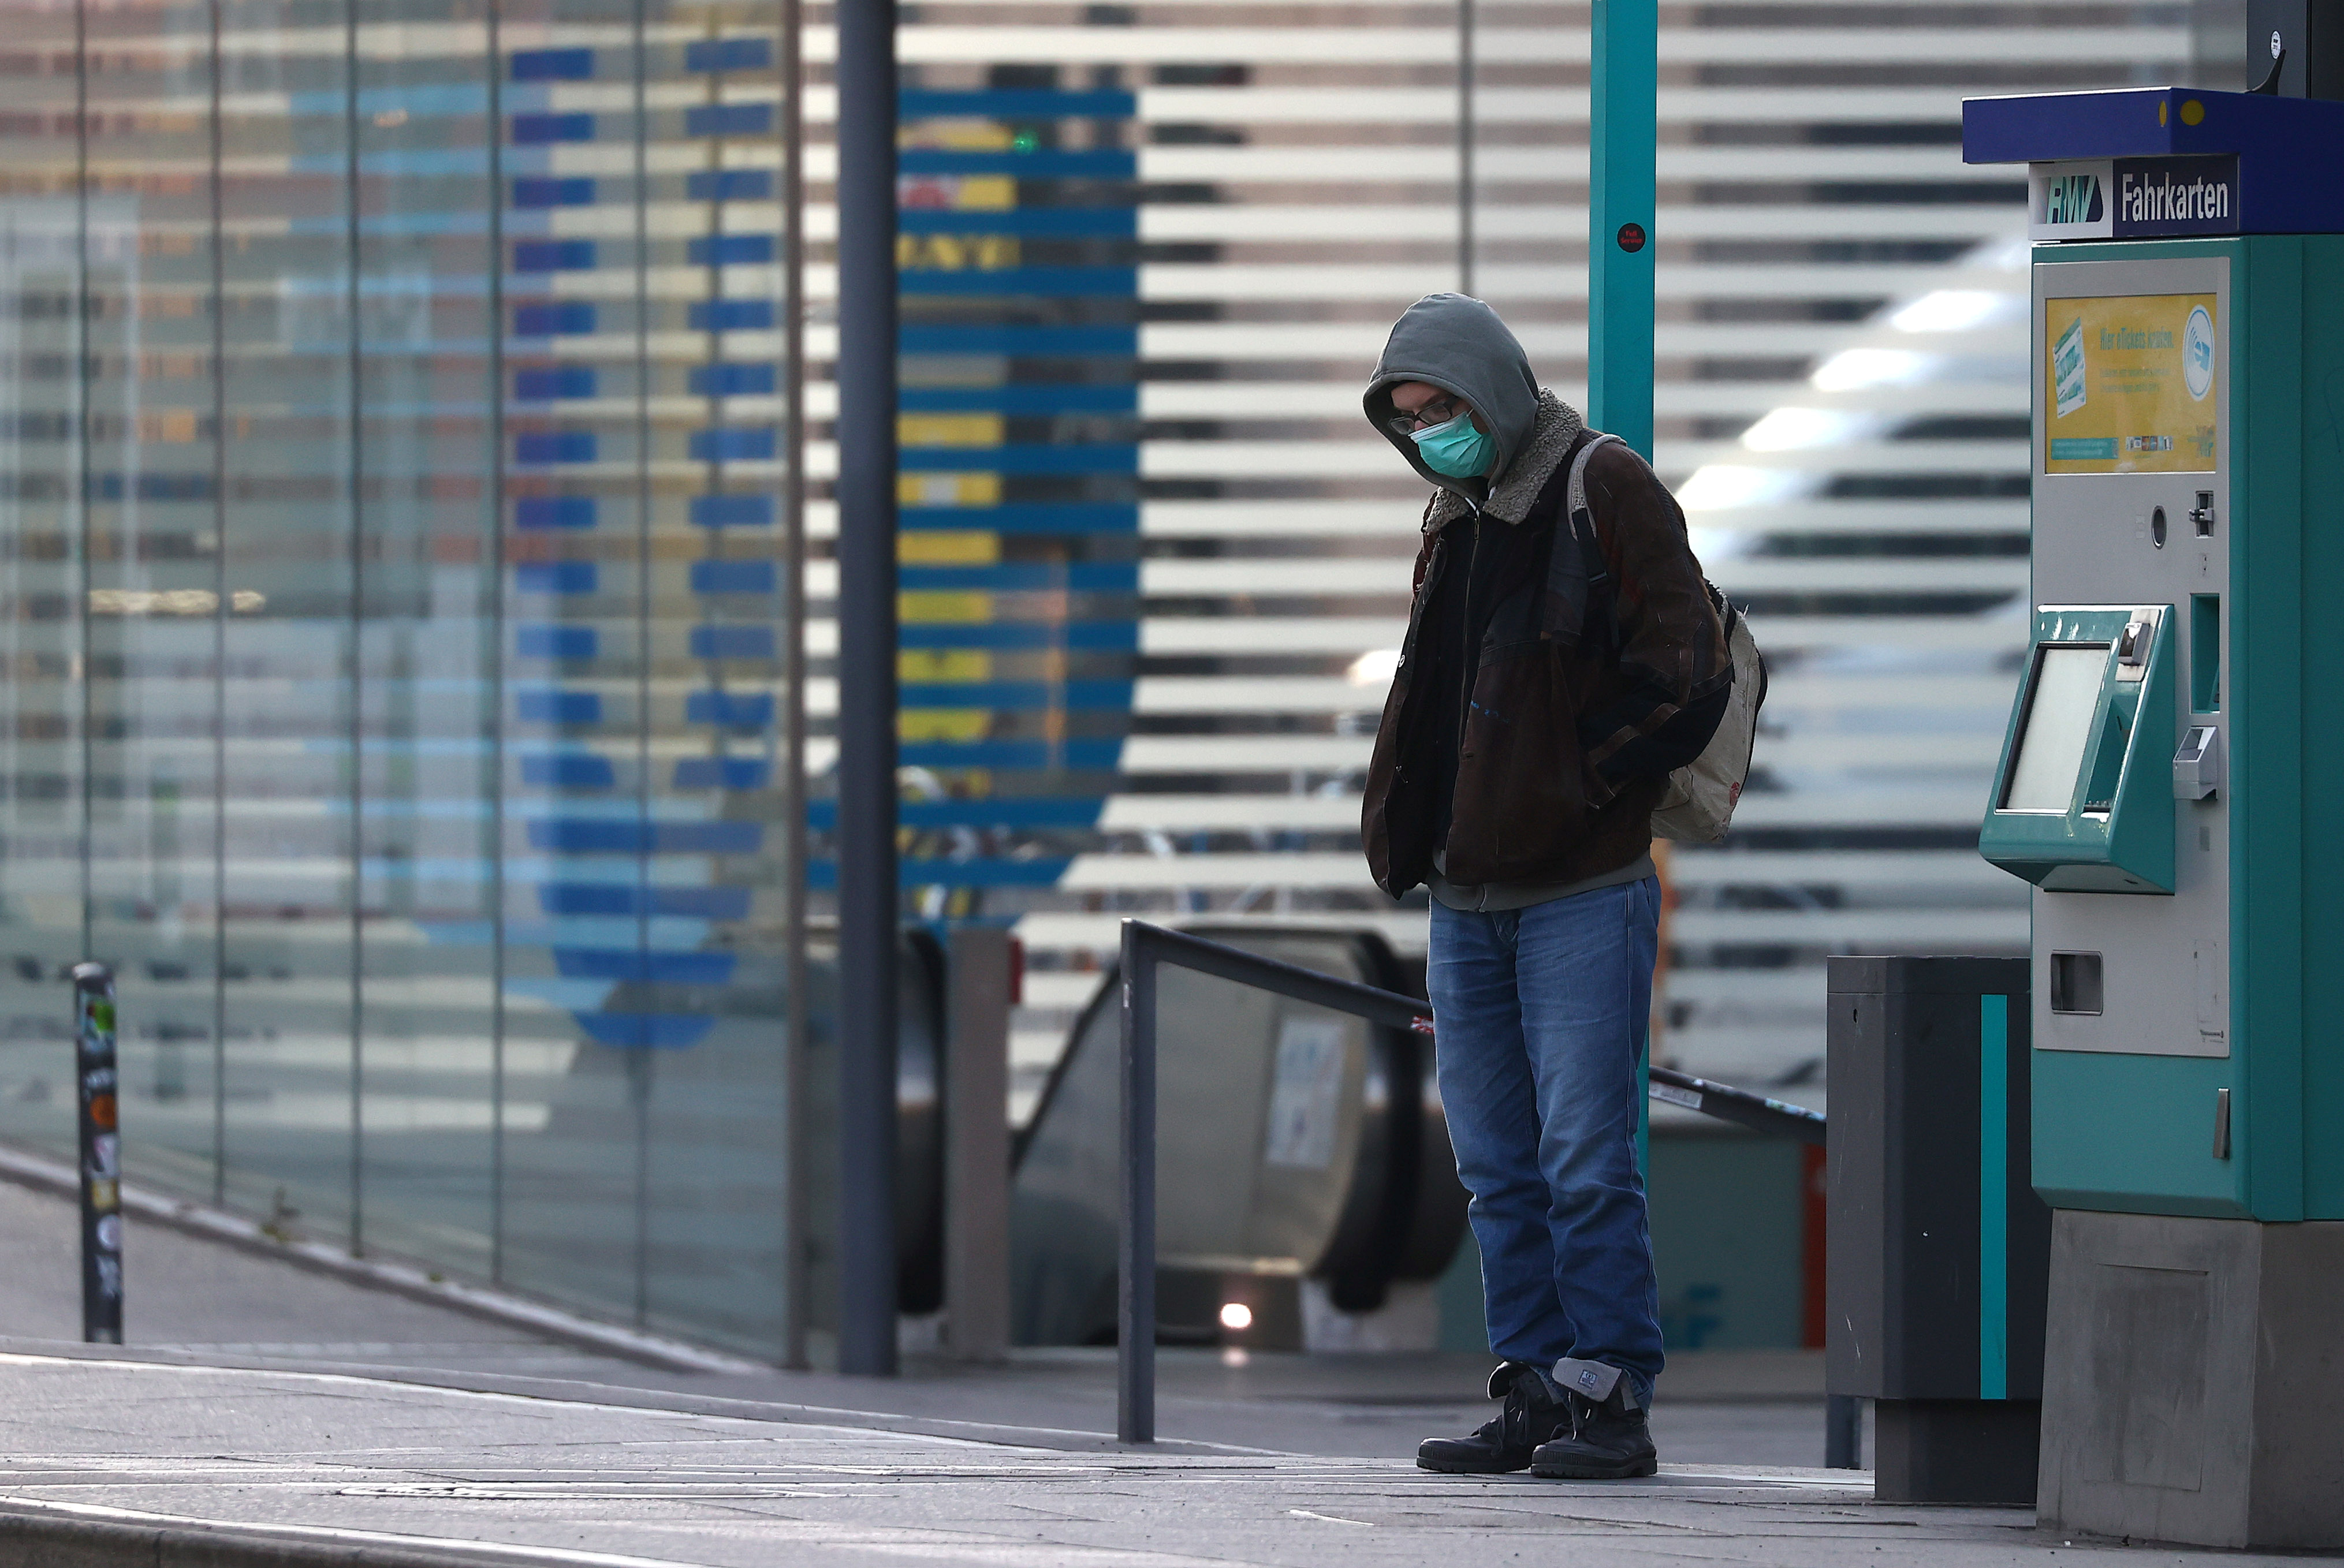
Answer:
x=1556 y=669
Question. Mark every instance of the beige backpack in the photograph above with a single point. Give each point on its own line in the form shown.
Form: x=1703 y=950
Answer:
x=1697 y=807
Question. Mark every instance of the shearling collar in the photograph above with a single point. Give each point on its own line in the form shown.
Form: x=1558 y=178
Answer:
x=1558 y=426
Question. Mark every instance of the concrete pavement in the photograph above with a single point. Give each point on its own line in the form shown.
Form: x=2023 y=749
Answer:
x=266 y=1415
x=192 y=1298
x=229 y=1466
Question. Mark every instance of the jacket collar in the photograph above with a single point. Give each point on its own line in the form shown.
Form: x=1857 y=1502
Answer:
x=1557 y=427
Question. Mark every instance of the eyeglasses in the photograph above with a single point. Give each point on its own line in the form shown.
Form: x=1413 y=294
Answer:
x=1438 y=412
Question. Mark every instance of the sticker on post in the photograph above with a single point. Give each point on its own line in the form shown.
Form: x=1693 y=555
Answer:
x=1672 y=1094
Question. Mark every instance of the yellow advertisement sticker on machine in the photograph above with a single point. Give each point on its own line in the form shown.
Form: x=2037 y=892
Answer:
x=2129 y=384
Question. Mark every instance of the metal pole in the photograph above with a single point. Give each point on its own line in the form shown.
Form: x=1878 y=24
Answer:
x=798 y=1014
x=866 y=686
x=1135 y=1415
x=101 y=1155
x=1842 y=1433
x=1624 y=101
x=1465 y=139
x=494 y=664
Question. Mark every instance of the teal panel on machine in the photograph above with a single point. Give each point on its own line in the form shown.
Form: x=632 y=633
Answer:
x=2083 y=800
x=2136 y=1131
x=2131 y=1134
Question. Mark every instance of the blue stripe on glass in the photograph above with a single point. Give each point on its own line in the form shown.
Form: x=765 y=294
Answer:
x=546 y=705
x=1994 y=1196
x=1089 y=577
x=1023 y=398
x=553 y=64
x=550 y=190
x=730 y=249
x=1121 y=636
x=629 y=898
x=639 y=966
x=536 y=130
x=731 y=316
x=1015 y=104
x=746 y=444
x=1042 y=163
x=1069 y=281
x=1027 y=518
x=1104 y=221
x=555 y=576
x=630 y=836
x=544 y=383
x=728 y=55
x=732 y=642
x=728 y=120
x=567 y=770
x=1016 y=694
x=554 y=512
x=546 y=319
x=722 y=773
x=553 y=255
x=823 y=874
x=418 y=98
x=732 y=511
x=729 y=184
x=537 y=447
x=729 y=709
x=556 y=641
x=645 y=1031
x=736 y=379
x=1020 y=460
x=732 y=576
x=979 y=811
x=1053 y=341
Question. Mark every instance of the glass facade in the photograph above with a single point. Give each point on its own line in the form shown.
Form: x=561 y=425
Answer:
x=397 y=602
x=393 y=520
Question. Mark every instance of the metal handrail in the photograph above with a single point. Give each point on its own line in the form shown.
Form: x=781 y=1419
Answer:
x=1146 y=946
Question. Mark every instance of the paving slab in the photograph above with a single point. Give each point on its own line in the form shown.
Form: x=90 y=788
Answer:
x=336 y=1468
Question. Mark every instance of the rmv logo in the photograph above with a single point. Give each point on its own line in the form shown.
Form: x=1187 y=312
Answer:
x=2073 y=198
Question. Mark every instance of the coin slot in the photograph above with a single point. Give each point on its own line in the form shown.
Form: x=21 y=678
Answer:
x=2157 y=528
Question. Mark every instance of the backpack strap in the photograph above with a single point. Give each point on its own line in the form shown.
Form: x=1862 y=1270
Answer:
x=1577 y=575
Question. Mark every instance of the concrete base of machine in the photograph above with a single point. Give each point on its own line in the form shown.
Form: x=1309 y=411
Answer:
x=2191 y=1379
x=1954 y=1450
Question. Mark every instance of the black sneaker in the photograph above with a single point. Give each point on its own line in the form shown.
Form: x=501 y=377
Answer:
x=1530 y=1417
x=1609 y=1439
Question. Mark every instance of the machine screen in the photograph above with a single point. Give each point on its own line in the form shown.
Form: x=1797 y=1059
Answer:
x=2057 y=726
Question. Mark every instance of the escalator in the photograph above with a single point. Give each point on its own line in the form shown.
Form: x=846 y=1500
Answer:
x=1293 y=1144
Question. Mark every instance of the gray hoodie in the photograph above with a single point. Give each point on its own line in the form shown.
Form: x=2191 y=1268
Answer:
x=1458 y=344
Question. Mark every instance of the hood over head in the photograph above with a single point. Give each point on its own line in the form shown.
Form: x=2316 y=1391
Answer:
x=1458 y=344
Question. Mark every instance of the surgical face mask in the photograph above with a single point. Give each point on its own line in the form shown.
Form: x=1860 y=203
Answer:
x=1455 y=449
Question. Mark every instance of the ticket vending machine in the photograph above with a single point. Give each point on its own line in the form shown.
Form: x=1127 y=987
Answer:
x=2172 y=783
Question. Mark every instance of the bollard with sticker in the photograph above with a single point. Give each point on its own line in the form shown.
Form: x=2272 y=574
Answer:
x=101 y=1154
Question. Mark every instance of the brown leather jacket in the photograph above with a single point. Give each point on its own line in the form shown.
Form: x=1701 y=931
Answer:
x=1596 y=665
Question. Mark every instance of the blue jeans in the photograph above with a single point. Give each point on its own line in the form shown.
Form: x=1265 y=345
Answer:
x=1540 y=1016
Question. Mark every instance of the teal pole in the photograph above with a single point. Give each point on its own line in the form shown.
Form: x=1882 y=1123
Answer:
x=1624 y=78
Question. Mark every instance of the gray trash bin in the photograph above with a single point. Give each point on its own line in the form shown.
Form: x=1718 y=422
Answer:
x=1938 y=1251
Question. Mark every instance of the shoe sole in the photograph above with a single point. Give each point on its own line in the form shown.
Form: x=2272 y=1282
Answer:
x=1440 y=1468
x=1599 y=1472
